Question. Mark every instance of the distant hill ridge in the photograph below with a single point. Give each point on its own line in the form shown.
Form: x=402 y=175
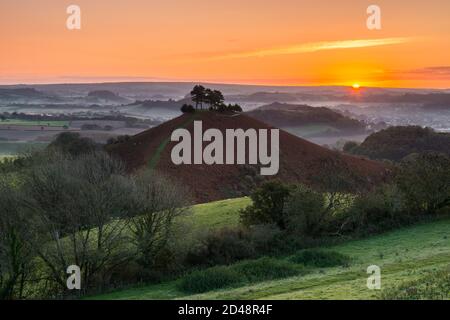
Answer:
x=395 y=143
x=287 y=115
x=21 y=93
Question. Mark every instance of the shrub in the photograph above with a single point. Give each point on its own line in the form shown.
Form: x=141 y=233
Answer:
x=268 y=205
x=251 y=271
x=72 y=143
x=306 y=212
x=210 y=279
x=118 y=139
x=424 y=180
x=376 y=211
x=320 y=258
x=266 y=269
x=224 y=246
x=350 y=146
x=187 y=108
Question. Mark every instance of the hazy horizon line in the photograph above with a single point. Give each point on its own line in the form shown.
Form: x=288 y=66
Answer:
x=131 y=80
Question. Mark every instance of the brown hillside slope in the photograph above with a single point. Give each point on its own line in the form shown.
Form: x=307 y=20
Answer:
x=300 y=160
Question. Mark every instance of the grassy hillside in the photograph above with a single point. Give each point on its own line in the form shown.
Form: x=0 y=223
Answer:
x=403 y=255
x=218 y=214
x=302 y=161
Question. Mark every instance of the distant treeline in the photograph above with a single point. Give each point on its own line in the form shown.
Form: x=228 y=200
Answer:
x=68 y=117
x=395 y=143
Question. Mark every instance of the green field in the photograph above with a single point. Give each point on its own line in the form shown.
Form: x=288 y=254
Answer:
x=10 y=149
x=21 y=122
x=218 y=214
x=403 y=255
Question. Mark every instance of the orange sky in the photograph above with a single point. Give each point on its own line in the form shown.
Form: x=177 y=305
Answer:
x=287 y=42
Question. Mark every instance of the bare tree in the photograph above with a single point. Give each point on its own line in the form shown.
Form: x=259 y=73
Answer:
x=78 y=204
x=158 y=202
x=16 y=256
x=81 y=210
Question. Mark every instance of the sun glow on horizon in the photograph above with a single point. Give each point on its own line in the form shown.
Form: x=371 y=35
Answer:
x=301 y=43
x=356 y=86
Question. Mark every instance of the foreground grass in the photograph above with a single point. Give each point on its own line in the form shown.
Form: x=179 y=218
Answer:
x=403 y=255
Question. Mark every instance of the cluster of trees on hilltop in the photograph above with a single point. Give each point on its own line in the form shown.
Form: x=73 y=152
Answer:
x=395 y=143
x=213 y=98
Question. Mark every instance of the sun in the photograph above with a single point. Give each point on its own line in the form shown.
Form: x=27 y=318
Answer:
x=356 y=86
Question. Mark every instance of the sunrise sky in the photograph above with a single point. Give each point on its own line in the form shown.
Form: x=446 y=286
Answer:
x=278 y=42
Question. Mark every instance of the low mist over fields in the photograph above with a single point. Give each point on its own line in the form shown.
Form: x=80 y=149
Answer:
x=33 y=114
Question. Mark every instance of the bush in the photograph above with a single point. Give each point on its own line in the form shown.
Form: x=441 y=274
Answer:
x=210 y=279
x=424 y=180
x=320 y=258
x=187 y=108
x=72 y=143
x=377 y=211
x=268 y=205
x=247 y=271
x=350 y=146
x=224 y=246
x=266 y=269
x=306 y=212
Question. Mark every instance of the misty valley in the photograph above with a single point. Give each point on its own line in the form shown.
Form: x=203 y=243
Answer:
x=33 y=115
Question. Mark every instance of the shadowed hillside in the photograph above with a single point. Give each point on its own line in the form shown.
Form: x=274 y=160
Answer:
x=396 y=143
x=300 y=160
x=291 y=115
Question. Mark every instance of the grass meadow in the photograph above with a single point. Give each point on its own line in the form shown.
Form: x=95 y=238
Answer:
x=404 y=255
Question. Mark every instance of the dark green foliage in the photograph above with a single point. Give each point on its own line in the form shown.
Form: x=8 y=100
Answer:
x=244 y=272
x=235 y=108
x=287 y=115
x=424 y=180
x=59 y=209
x=222 y=247
x=210 y=279
x=118 y=139
x=72 y=143
x=198 y=95
x=16 y=256
x=187 y=108
x=350 y=146
x=320 y=258
x=266 y=269
x=395 y=143
x=268 y=205
x=228 y=108
x=306 y=211
x=379 y=210
x=214 y=98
